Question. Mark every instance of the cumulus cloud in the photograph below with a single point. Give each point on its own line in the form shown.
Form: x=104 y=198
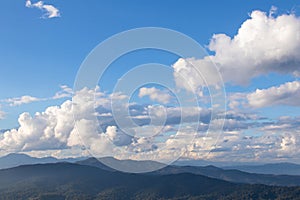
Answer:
x=285 y=94
x=46 y=130
x=264 y=44
x=193 y=74
x=57 y=130
x=88 y=121
x=289 y=143
x=117 y=137
x=244 y=140
x=155 y=94
x=236 y=146
x=280 y=139
x=54 y=130
x=49 y=10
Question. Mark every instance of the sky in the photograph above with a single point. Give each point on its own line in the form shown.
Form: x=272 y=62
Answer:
x=254 y=46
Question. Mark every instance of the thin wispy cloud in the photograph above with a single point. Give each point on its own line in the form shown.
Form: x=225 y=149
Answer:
x=2 y=114
x=49 y=10
x=17 y=101
x=65 y=92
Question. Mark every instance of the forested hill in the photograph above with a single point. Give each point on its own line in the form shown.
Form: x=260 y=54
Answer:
x=73 y=181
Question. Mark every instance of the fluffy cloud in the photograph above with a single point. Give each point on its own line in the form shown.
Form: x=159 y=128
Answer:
x=281 y=138
x=46 y=130
x=50 y=10
x=285 y=94
x=155 y=94
x=289 y=143
x=58 y=130
x=17 y=101
x=193 y=74
x=55 y=128
x=236 y=146
x=246 y=141
x=262 y=45
x=117 y=137
x=76 y=124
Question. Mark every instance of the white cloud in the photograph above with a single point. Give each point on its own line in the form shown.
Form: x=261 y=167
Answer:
x=46 y=130
x=289 y=143
x=17 y=101
x=262 y=45
x=236 y=100
x=155 y=94
x=272 y=11
x=50 y=10
x=2 y=114
x=285 y=94
x=54 y=131
x=192 y=74
x=55 y=128
x=65 y=92
x=87 y=134
x=117 y=137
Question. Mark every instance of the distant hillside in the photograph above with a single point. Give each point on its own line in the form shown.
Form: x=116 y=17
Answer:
x=94 y=162
x=209 y=171
x=275 y=168
x=234 y=175
x=72 y=181
x=284 y=168
x=131 y=166
x=14 y=160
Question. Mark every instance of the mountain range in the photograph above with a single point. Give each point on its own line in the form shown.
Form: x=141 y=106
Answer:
x=271 y=168
x=79 y=178
x=230 y=175
x=283 y=168
x=73 y=181
x=14 y=160
x=264 y=174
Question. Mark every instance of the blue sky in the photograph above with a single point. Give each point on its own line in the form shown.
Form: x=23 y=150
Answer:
x=40 y=56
